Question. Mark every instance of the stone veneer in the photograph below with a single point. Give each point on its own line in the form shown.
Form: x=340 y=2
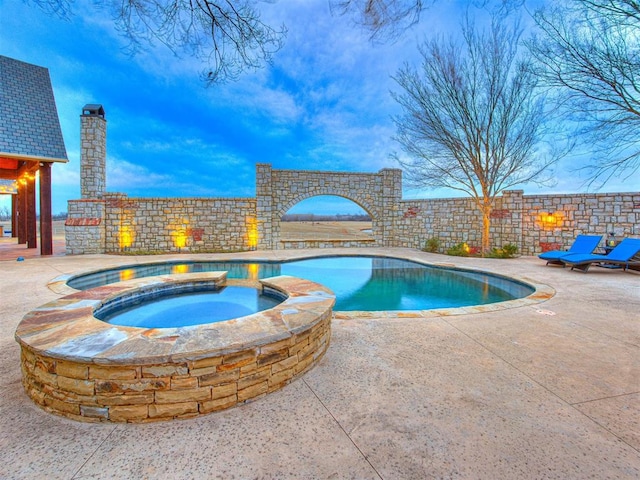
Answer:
x=179 y=224
x=93 y=155
x=520 y=219
x=82 y=368
x=117 y=224
x=84 y=228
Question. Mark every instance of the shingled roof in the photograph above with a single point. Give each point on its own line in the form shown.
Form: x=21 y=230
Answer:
x=29 y=124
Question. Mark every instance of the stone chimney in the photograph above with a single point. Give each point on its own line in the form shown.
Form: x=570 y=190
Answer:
x=93 y=152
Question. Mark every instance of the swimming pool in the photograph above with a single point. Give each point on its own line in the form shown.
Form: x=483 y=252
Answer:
x=360 y=283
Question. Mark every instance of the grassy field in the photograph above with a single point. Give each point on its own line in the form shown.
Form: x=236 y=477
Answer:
x=58 y=228
x=324 y=230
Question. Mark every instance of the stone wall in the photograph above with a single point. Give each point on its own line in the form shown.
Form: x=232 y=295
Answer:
x=575 y=214
x=114 y=223
x=534 y=223
x=143 y=393
x=151 y=225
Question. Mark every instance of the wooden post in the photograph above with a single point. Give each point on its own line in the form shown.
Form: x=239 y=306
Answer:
x=32 y=234
x=22 y=213
x=46 y=227
x=14 y=215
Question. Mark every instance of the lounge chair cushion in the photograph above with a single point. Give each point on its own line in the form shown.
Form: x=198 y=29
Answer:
x=584 y=244
x=621 y=255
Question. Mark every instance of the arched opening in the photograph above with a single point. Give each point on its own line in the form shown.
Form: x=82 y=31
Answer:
x=326 y=218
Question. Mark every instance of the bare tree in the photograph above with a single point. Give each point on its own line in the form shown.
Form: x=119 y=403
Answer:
x=5 y=213
x=383 y=18
x=227 y=35
x=388 y=19
x=471 y=119
x=590 y=51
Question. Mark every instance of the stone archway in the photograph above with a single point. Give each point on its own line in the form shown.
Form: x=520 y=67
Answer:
x=277 y=191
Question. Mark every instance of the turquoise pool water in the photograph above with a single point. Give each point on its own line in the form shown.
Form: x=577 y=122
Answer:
x=360 y=283
x=194 y=307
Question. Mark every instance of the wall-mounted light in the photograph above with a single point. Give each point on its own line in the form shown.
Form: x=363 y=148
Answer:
x=126 y=237
x=252 y=232
x=179 y=238
x=549 y=218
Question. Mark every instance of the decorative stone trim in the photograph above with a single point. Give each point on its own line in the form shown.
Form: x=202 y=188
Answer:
x=82 y=222
x=79 y=367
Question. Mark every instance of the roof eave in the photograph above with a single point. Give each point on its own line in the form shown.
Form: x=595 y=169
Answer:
x=32 y=158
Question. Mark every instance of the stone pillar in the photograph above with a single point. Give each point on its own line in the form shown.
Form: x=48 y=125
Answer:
x=93 y=152
x=264 y=206
x=390 y=208
x=85 y=226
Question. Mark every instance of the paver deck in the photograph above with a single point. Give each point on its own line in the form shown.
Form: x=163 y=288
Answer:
x=550 y=390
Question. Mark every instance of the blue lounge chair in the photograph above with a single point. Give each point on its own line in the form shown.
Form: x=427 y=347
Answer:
x=583 y=244
x=621 y=256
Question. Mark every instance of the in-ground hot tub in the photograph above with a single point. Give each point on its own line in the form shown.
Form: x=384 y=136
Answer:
x=83 y=368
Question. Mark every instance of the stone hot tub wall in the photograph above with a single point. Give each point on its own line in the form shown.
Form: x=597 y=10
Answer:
x=82 y=368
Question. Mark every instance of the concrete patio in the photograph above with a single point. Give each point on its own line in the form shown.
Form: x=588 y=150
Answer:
x=550 y=390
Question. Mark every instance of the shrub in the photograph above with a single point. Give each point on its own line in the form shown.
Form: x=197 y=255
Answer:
x=474 y=251
x=459 y=250
x=432 y=245
x=510 y=249
x=507 y=251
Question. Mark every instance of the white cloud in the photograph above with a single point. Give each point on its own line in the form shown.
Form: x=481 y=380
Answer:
x=123 y=175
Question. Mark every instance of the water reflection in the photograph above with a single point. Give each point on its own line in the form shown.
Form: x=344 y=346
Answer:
x=127 y=274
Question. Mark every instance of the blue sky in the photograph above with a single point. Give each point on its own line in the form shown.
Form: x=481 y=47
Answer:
x=324 y=104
